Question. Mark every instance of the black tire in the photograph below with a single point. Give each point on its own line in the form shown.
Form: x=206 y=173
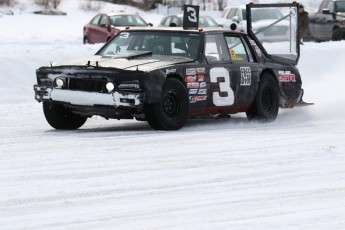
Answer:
x=338 y=35
x=265 y=106
x=171 y=112
x=60 y=117
x=86 y=40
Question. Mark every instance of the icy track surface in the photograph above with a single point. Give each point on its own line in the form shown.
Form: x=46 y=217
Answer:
x=212 y=174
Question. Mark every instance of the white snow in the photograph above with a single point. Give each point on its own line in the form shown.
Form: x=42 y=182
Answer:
x=212 y=174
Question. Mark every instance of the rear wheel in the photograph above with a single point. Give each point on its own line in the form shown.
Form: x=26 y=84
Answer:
x=266 y=103
x=338 y=35
x=60 y=117
x=171 y=112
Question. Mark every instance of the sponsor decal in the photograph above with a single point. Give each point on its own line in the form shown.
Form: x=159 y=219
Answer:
x=202 y=91
x=190 y=79
x=257 y=49
x=200 y=70
x=233 y=55
x=203 y=84
x=246 y=76
x=168 y=71
x=192 y=85
x=286 y=76
x=190 y=71
x=192 y=99
x=201 y=98
x=193 y=91
x=201 y=77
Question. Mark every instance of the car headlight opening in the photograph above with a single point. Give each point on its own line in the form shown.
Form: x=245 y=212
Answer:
x=59 y=83
x=110 y=87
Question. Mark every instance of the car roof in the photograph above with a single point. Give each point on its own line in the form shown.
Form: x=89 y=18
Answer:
x=240 y=7
x=180 y=29
x=119 y=13
x=181 y=15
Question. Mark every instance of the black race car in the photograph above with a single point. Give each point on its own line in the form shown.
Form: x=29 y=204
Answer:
x=168 y=75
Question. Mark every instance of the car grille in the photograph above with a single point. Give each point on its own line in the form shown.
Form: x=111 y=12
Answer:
x=275 y=30
x=89 y=85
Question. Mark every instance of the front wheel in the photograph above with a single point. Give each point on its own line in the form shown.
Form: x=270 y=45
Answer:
x=86 y=40
x=171 y=112
x=266 y=103
x=60 y=117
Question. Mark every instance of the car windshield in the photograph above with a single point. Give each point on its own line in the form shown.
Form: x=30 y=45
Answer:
x=262 y=14
x=207 y=22
x=127 y=20
x=340 y=6
x=133 y=43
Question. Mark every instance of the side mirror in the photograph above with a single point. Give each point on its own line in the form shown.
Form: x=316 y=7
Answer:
x=326 y=11
x=150 y=24
x=235 y=19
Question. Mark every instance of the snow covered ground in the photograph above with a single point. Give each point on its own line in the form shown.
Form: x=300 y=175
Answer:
x=212 y=174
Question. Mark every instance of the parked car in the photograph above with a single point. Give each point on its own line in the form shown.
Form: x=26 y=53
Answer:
x=263 y=20
x=169 y=75
x=6 y=12
x=104 y=26
x=329 y=22
x=177 y=20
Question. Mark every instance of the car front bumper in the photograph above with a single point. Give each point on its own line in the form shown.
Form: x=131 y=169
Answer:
x=130 y=100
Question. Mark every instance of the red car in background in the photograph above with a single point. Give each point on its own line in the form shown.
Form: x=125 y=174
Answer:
x=104 y=26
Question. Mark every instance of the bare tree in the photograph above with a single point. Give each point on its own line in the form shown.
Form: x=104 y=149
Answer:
x=6 y=2
x=47 y=3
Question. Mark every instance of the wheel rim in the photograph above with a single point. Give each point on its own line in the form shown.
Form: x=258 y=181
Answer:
x=171 y=104
x=266 y=99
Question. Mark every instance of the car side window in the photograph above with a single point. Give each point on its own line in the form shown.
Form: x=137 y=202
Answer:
x=232 y=13
x=238 y=49
x=330 y=6
x=323 y=5
x=167 y=21
x=104 y=20
x=175 y=21
x=95 y=20
x=215 y=48
x=238 y=13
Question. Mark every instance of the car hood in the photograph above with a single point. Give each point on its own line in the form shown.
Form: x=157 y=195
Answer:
x=142 y=64
x=341 y=14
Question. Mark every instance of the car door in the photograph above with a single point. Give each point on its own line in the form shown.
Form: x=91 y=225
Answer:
x=232 y=73
x=92 y=29
x=245 y=69
x=102 y=31
x=324 y=21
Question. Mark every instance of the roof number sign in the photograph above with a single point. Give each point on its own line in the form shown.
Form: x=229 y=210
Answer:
x=190 y=17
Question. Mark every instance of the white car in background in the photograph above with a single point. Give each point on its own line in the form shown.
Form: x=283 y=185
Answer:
x=266 y=22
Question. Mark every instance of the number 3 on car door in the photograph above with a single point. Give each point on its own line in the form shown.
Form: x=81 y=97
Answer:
x=225 y=96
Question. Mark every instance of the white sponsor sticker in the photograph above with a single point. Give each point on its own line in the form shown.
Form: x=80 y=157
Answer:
x=202 y=91
x=190 y=71
x=193 y=91
x=246 y=76
x=203 y=84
